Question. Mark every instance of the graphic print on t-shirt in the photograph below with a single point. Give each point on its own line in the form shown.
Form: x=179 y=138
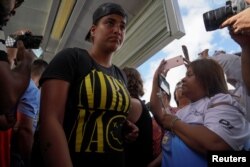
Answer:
x=103 y=106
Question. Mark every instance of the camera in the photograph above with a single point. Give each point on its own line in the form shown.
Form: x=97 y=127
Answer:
x=214 y=18
x=29 y=41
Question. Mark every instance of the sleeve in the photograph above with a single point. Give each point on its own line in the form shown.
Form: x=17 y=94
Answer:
x=61 y=67
x=29 y=102
x=224 y=118
x=231 y=65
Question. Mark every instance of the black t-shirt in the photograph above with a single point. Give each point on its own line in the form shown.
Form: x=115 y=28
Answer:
x=96 y=109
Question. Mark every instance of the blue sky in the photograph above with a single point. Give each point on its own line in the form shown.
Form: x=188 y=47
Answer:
x=196 y=39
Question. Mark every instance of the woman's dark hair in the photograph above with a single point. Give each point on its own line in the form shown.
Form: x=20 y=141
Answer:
x=175 y=98
x=135 y=83
x=211 y=76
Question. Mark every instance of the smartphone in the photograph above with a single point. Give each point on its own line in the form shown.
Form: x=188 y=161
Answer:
x=174 y=62
x=29 y=41
x=163 y=83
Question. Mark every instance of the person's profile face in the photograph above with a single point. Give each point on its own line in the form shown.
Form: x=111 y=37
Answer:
x=191 y=87
x=7 y=9
x=109 y=31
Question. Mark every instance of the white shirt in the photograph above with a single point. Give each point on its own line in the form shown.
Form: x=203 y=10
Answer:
x=223 y=115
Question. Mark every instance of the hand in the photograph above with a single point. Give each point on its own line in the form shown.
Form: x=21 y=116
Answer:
x=131 y=131
x=239 y=22
x=23 y=32
x=161 y=70
x=204 y=54
x=23 y=53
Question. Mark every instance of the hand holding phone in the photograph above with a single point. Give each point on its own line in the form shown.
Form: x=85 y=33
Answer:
x=29 y=41
x=163 y=84
x=174 y=62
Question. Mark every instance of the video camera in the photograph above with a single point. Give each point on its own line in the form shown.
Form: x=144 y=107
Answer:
x=214 y=18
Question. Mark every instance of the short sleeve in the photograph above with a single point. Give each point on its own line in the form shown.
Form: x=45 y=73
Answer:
x=61 y=67
x=30 y=101
x=224 y=117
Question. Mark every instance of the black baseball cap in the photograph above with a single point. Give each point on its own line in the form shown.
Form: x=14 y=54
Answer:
x=104 y=10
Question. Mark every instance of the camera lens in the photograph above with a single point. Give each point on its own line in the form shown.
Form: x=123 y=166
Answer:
x=214 y=18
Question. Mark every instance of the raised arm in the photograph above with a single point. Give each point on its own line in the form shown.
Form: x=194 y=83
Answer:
x=240 y=32
x=14 y=82
x=245 y=63
x=155 y=102
x=243 y=41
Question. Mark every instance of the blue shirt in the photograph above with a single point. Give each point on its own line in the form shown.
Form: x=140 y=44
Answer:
x=29 y=103
x=177 y=154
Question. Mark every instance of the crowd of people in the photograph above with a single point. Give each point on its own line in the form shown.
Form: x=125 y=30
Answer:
x=80 y=109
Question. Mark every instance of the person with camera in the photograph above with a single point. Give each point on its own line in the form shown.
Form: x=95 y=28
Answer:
x=213 y=121
x=13 y=82
x=239 y=29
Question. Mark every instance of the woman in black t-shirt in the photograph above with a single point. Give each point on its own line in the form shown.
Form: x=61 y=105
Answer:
x=84 y=100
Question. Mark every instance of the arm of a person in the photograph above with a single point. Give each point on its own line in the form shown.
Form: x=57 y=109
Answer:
x=245 y=65
x=135 y=110
x=199 y=137
x=191 y=134
x=14 y=82
x=243 y=41
x=24 y=133
x=53 y=140
x=131 y=131
x=155 y=101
